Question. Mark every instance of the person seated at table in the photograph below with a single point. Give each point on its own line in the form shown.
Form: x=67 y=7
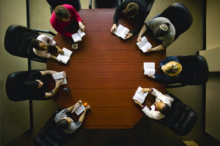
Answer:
x=161 y=107
x=171 y=69
x=41 y=46
x=64 y=19
x=65 y=123
x=133 y=9
x=36 y=84
x=162 y=29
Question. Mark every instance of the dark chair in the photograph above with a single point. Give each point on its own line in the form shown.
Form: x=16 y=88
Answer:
x=182 y=118
x=179 y=16
x=75 y=3
x=16 y=41
x=15 y=89
x=194 y=71
x=104 y=4
x=48 y=136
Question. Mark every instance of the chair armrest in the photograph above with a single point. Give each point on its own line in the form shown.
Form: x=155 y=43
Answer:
x=175 y=85
x=90 y=4
x=51 y=10
x=45 y=31
x=53 y=115
x=119 y=2
x=149 y=7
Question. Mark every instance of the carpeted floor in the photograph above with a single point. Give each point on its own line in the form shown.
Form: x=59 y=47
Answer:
x=188 y=43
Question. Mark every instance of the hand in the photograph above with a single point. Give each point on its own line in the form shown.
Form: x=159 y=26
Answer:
x=151 y=76
x=139 y=39
x=138 y=103
x=114 y=27
x=128 y=35
x=61 y=52
x=58 y=82
x=81 y=26
x=64 y=74
x=146 y=90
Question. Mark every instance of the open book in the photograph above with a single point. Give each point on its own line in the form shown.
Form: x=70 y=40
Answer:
x=65 y=58
x=58 y=76
x=78 y=109
x=144 y=45
x=77 y=37
x=149 y=68
x=121 y=31
x=140 y=96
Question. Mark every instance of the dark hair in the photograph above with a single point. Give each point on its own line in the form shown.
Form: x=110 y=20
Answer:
x=31 y=83
x=62 y=124
x=61 y=12
x=131 y=9
x=159 y=32
x=34 y=42
x=166 y=110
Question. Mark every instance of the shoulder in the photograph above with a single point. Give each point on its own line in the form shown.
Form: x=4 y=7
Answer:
x=68 y=7
x=35 y=74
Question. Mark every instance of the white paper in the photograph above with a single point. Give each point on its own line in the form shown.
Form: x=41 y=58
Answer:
x=121 y=31
x=77 y=37
x=149 y=68
x=140 y=96
x=65 y=58
x=144 y=45
x=77 y=105
x=80 y=109
x=58 y=76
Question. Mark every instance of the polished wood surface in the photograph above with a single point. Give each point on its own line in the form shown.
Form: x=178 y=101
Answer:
x=105 y=72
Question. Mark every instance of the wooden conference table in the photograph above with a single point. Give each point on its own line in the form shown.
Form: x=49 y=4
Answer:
x=105 y=72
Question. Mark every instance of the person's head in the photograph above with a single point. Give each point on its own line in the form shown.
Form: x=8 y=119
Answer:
x=172 y=68
x=164 y=108
x=64 y=123
x=37 y=44
x=162 y=30
x=32 y=83
x=62 y=13
x=131 y=10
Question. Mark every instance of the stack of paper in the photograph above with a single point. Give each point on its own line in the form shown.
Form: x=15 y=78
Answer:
x=144 y=45
x=80 y=109
x=78 y=36
x=149 y=68
x=58 y=76
x=65 y=58
x=140 y=96
x=121 y=31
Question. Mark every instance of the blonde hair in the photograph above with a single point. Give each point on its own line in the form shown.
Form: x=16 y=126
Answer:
x=172 y=68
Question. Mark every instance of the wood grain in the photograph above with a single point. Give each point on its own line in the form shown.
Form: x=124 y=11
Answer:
x=105 y=72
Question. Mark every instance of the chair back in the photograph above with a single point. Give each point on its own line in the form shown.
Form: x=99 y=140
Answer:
x=49 y=136
x=182 y=118
x=16 y=40
x=194 y=70
x=75 y=3
x=15 y=89
x=179 y=16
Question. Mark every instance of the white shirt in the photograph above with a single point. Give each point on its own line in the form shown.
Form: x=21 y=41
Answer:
x=48 y=41
x=159 y=96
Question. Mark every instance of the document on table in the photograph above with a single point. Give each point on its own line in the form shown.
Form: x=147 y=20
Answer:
x=140 y=96
x=149 y=68
x=144 y=45
x=121 y=31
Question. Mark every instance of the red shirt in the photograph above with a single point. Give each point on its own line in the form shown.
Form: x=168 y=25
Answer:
x=61 y=26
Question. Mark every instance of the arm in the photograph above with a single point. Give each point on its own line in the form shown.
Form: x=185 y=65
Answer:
x=58 y=50
x=54 y=57
x=54 y=91
x=118 y=11
x=152 y=114
x=157 y=48
x=143 y=30
x=47 y=72
x=141 y=18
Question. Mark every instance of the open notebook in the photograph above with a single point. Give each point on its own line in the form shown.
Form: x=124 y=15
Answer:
x=121 y=31
x=58 y=76
x=140 y=96
x=65 y=58
x=144 y=45
x=149 y=68
x=77 y=37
